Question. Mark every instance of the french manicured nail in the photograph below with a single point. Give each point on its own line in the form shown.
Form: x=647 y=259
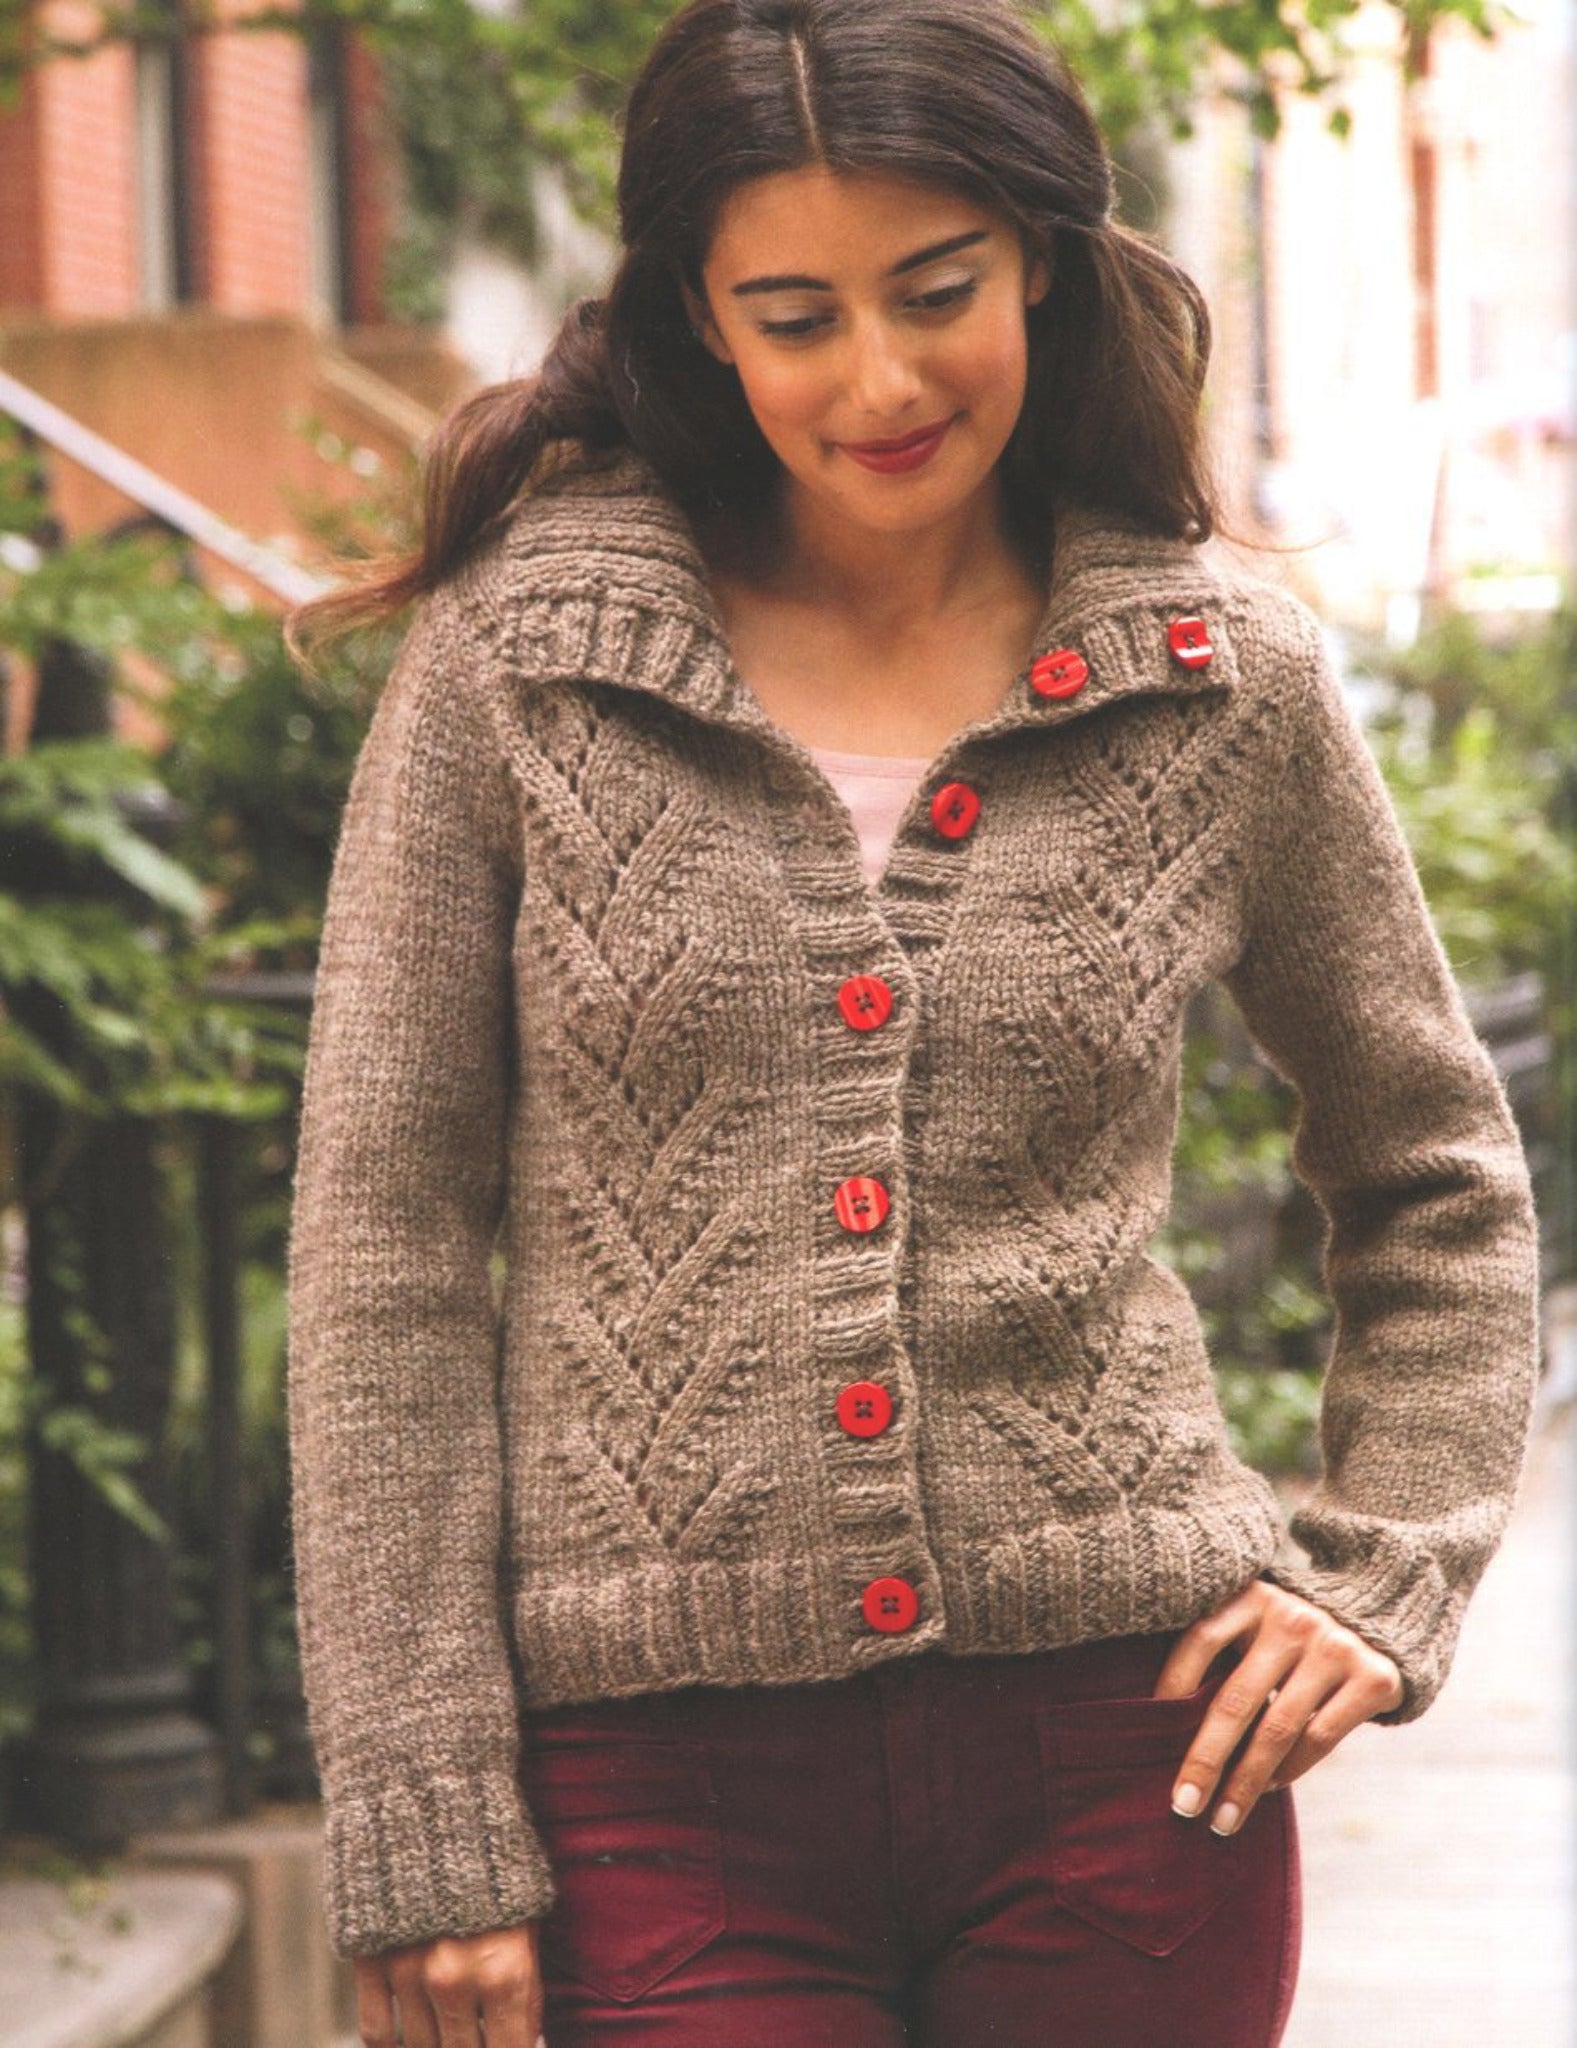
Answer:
x=1186 y=1801
x=1226 y=1819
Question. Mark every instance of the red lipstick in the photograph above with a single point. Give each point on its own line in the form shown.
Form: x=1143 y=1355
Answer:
x=889 y=457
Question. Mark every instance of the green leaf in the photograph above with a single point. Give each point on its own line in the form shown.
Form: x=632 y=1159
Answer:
x=103 y=1455
x=160 y=879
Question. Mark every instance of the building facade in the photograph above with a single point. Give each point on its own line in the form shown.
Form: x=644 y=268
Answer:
x=193 y=231
x=1393 y=390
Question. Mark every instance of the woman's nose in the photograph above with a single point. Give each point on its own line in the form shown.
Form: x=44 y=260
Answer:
x=882 y=379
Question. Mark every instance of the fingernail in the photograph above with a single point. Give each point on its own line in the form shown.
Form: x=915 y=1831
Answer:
x=1186 y=1801
x=1226 y=1819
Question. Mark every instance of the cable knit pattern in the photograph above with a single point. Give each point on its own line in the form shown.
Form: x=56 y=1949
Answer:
x=590 y=915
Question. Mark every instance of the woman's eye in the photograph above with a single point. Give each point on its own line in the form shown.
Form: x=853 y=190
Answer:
x=793 y=327
x=946 y=295
x=927 y=302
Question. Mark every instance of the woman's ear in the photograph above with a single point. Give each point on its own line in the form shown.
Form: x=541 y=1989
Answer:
x=1038 y=282
x=700 y=319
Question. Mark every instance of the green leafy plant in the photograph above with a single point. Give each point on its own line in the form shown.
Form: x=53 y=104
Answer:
x=139 y=885
x=1479 y=748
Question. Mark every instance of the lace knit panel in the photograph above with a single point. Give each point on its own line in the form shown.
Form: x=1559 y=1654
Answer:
x=634 y=999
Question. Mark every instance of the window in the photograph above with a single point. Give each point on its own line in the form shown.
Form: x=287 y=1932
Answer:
x=329 y=177
x=163 y=197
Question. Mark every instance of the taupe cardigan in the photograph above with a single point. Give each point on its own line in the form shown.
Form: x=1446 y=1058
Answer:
x=824 y=1340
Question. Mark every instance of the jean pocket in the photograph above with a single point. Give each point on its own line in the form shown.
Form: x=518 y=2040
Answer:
x=631 y=1831
x=1121 y=1859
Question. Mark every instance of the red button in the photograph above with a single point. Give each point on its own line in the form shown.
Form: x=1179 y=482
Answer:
x=1189 y=640
x=954 y=809
x=861 y=1203
x=866 y=1001
x=865 y=1408
x=1062 y=674
x=890 y=1604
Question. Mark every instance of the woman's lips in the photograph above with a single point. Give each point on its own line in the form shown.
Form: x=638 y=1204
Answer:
x=909 y=455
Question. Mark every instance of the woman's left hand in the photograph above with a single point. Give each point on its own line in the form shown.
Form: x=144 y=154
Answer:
x=1315 y=1680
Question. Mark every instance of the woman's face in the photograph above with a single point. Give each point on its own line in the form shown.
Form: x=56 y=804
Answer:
x=857 y=308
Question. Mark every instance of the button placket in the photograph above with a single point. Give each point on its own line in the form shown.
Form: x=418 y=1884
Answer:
x=870 y=1466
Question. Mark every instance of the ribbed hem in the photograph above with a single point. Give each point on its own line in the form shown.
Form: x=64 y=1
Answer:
x=773 y=1621
x=781 y=1622
x=1125 y=1573
x=413 y=1859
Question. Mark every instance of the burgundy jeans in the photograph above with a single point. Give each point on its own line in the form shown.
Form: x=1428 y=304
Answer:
x=945 y=1852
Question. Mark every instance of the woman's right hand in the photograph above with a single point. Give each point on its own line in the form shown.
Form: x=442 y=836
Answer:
x=459 y=1991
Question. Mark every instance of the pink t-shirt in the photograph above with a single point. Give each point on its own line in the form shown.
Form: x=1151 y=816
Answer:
x=876 y=788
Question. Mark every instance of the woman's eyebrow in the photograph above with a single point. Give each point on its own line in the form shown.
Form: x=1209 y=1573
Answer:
x=795 y=281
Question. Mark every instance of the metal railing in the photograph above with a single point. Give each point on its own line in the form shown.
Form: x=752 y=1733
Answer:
x=287 y=581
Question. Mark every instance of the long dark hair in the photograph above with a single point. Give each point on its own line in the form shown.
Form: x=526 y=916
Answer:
x=961 y=95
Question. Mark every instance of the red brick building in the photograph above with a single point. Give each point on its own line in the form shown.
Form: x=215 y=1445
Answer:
x=240 y=171
x=192 y=242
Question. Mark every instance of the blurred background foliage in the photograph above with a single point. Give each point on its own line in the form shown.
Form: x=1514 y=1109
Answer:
x=137 y=882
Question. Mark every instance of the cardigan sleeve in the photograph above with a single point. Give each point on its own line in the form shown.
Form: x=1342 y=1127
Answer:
x=393 y=1331
x=1405 y=1138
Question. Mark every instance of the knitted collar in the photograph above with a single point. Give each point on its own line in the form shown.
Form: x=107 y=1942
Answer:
x=602 y=580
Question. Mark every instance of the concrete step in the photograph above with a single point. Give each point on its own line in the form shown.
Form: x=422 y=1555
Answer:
x=124 y=1961
x=281 y=1985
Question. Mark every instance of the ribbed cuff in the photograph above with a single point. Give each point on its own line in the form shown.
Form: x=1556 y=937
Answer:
x=409 y=1860
x=1399 y=1608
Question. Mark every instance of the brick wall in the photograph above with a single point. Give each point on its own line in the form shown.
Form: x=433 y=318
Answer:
x=68 y=207
x=87 y=185
x=69 y=230
x=372 y=158
x=252 y=153
x=21 y=246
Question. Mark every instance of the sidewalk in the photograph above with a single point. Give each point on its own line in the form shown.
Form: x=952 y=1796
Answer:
x=1440 y=1867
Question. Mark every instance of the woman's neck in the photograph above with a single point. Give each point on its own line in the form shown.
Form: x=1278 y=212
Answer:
x=893 y=584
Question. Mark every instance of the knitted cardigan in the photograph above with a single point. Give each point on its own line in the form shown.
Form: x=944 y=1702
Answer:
x=708 y=1268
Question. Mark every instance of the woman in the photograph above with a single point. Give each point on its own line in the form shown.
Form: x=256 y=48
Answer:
x=818 y=1603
